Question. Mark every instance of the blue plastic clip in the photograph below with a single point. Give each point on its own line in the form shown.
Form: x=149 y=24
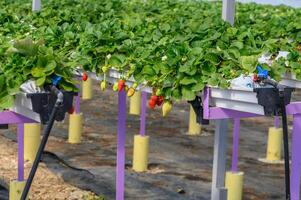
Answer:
x=55 y=79
x=262 y=73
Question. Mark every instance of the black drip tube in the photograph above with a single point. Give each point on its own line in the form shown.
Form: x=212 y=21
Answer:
x=285 y=146
x=285 y=136
x=44 y=140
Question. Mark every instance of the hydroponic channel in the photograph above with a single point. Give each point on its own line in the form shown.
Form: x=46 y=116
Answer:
x=133 y=100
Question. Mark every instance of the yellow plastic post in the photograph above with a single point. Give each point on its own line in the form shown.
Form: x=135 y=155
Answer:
x=15 y=189
x=234 y=184
x=87 y=89
x=140 y=153
x=75 y=128
x=194 y=127
x=32 y=139
x=274 y=144
x=135 y=103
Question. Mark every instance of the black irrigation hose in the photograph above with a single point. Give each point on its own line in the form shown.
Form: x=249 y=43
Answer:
x=66 y=164
x=286 y=146
x=43 y=143
x=39 y=154
x=285 y=137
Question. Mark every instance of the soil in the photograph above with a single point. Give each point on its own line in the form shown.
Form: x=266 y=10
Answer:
x=179 y=166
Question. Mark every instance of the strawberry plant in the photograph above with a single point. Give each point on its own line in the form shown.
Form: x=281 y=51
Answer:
x=25 y=59
x=176 y=47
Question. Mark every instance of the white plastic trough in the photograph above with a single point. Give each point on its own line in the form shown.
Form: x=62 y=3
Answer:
x=290 y=80
x=23 y=106
x=113 y=76
x=239 y=99
x=236 y=99
x=245 y=100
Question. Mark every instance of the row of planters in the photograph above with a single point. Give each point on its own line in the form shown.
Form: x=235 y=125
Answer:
x=164 y=45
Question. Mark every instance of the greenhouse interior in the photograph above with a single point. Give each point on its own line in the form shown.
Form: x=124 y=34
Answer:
x=150 y=100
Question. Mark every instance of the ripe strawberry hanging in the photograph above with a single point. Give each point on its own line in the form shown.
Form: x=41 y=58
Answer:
x=121 y=84
x=160 y=100
x=71 y=110
x=151 y=104
x=85 y=76
x=154 y=98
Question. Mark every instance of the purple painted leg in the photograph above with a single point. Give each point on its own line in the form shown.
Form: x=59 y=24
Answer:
x=296 y=158
x=77 y=101
x=276 y=122
x=120 y=168
x=20 y=152
x=235 y=148
x=143 y=113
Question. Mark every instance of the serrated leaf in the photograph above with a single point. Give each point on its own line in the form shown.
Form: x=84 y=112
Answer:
x=188 y=94
x=188 y=80
x=37 y=72
x=40 y=81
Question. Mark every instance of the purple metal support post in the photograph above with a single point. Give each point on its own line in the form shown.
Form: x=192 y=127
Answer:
x=121 y=131
x=9 y=117
x=143 y=113
x=206 y=105
x=77 y=101
x=235 y=148
x=276 y=122
x=296 y=158
x=20 y=152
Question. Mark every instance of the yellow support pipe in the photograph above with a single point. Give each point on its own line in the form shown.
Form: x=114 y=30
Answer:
x=15 y=189
x=135 y=103
x=140 y=153
x=32 y=140
x=234 y=184
x=274 y=144
x=75 y=128
x=87 y=89
x=194 y=128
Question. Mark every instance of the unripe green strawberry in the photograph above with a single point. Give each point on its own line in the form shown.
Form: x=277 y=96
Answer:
x=103 y=85
x=166 y=108
x=115 y=86
x=135 y=85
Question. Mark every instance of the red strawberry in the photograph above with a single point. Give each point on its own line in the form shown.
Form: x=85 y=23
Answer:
x=85 y=76
x=121 y=84
x=71 y=110
x=160 y=100
x=154 y=98
x=151 y=104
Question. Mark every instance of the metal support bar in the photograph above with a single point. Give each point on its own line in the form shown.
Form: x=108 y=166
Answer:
x=21 y=152
x=36 y=5
x=143 y=113
x=77 y=101
x=229 y=11
x=296 y=158
x=120 y=168
x=276 y=121
x=235 y=148
x=218 y=191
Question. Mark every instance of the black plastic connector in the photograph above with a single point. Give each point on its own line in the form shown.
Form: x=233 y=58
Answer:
x=270 y=100
x=198 y=109
x=3 y=126
x=42 y=103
